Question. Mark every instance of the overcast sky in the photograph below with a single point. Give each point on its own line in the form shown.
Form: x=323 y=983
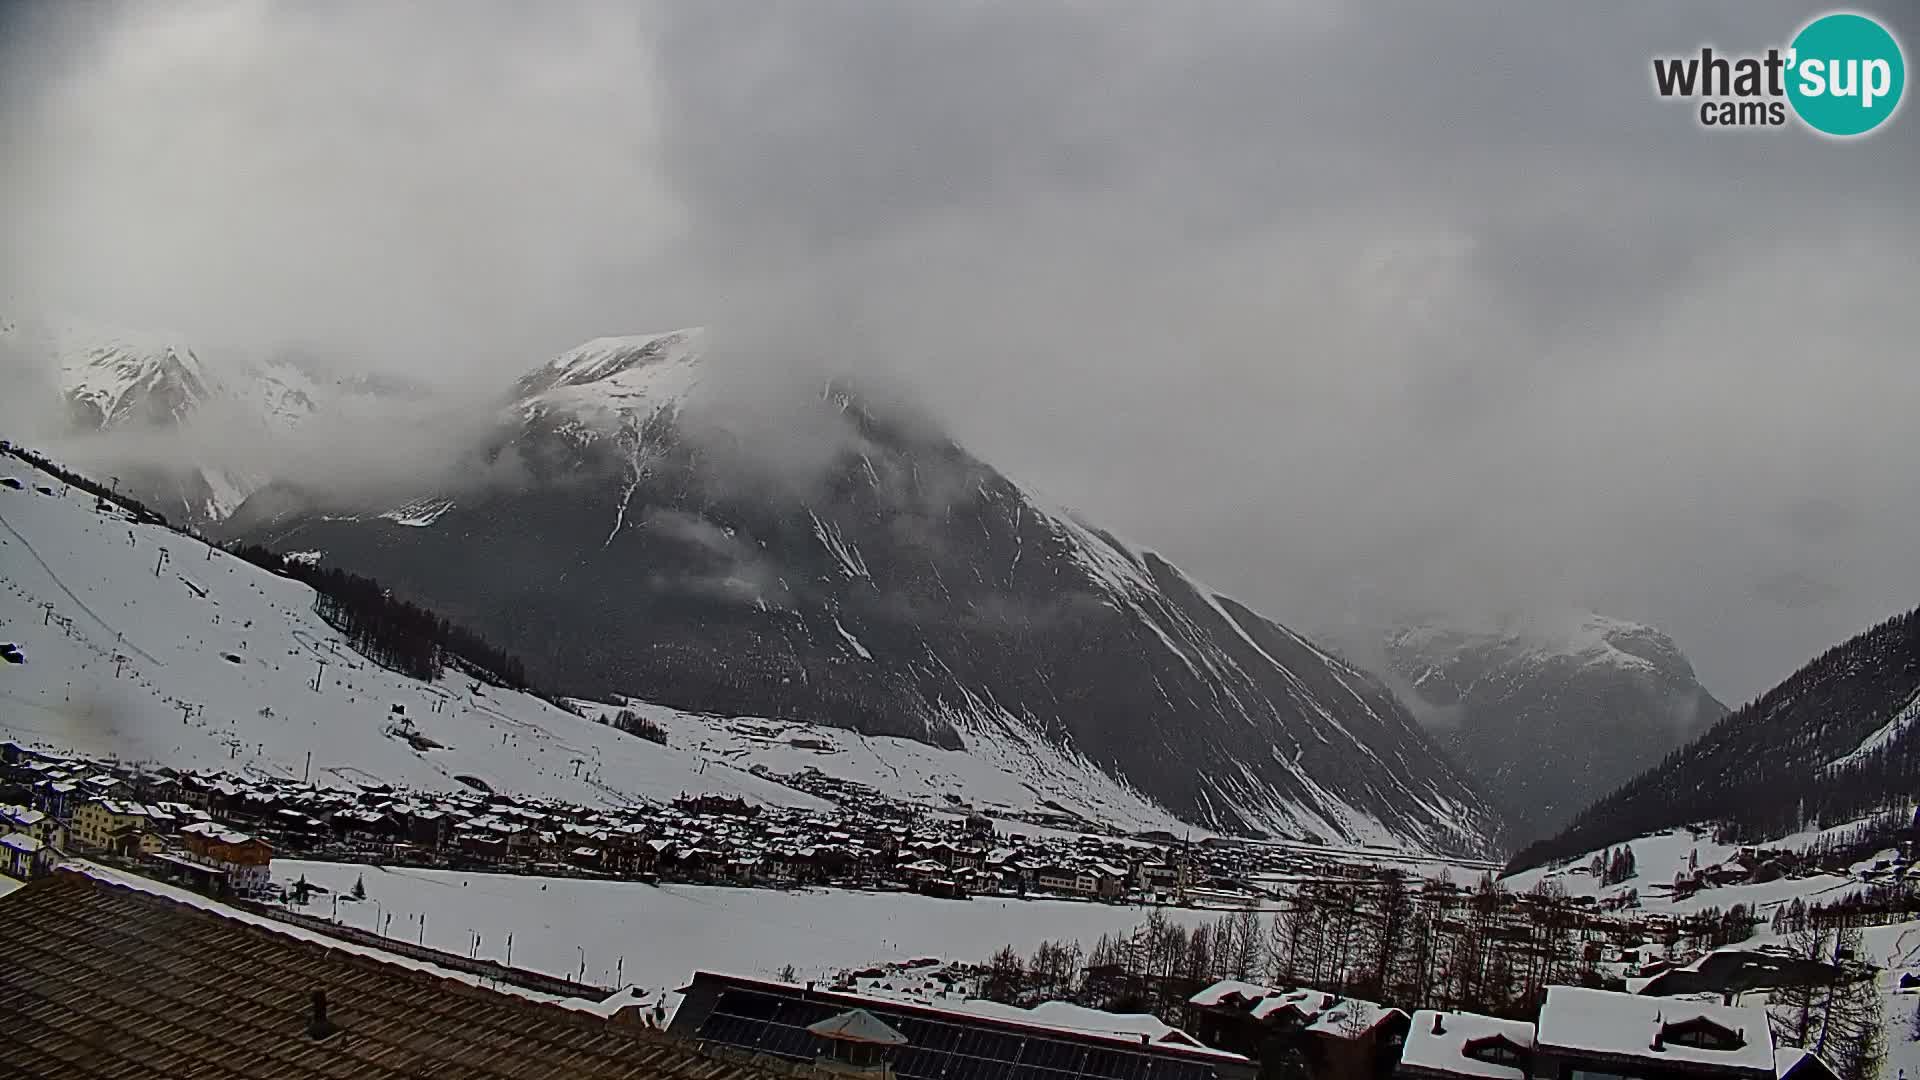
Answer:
x=1349 y=308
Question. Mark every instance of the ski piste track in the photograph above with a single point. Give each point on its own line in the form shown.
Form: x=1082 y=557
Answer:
x=79 y=603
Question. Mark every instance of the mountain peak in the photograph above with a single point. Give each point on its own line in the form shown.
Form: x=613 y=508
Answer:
x=1587 y=637
x=621 y=369
x=1550 y=711
x=124 y=378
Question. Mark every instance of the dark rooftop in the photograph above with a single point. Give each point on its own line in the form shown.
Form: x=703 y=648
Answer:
x=106 y=980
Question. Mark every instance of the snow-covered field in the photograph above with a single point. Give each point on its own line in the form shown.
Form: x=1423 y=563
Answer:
x=1659 y=857
x=656 y=936
x=1004 y=775
x=144 y=623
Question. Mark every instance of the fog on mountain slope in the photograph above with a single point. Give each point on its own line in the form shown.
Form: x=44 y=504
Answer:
x=1549 y=715
x=193 y=434
x=905 y=588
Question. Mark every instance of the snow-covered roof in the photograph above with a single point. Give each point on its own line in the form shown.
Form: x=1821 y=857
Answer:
x=1305 y=1002
x=1444 y=1051
x=1802 y=1064
x=21 y=842
x=1065 y=1016
x=1226 y=988
x=213 y=830
x=1600 y=1022
x=857 y=1025
x=1351 y=1017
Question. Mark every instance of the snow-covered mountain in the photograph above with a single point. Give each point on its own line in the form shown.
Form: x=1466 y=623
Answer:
x=1836 y=742
x=906 y=589
x=1550 y=714
x=195 y=658
x=182 y=432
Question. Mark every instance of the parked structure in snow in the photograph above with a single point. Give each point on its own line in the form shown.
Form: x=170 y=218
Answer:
x=856 y=1044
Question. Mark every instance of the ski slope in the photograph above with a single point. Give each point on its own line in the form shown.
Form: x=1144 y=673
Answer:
x=146 y=645
x=996 y=775
x=194 y=658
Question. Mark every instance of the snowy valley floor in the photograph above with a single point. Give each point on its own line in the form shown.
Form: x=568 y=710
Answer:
x=655 y=937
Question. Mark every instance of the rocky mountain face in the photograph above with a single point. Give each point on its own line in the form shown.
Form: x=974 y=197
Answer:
x=1549 y=715
x=903 y=587
x=1836 y=742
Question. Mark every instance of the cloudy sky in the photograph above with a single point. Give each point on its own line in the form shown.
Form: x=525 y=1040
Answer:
x=1350 y=308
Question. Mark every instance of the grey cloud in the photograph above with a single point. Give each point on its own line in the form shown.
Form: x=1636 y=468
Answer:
x=1350 y=309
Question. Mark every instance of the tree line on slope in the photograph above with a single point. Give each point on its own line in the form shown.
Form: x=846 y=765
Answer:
x=401 y=635
x=1775 y=766
x=395 y=633
x=141 y=511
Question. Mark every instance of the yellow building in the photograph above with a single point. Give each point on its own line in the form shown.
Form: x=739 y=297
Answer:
x=109 y=823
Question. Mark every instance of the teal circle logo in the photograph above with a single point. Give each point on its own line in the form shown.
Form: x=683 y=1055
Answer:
x=1847 y=74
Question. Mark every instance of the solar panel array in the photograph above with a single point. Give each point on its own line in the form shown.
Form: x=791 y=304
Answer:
x=936 y=1050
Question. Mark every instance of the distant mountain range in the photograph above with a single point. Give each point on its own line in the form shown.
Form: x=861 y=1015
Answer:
x=1839 y=740
x=183 y=433
x=1549 y=715
x=906 y=588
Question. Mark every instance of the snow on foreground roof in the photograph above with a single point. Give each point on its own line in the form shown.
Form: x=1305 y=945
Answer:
x=1445 y=1050
x=136 y=883
x=858 y=1025
x=1602 y=1022
x=1058 y=1016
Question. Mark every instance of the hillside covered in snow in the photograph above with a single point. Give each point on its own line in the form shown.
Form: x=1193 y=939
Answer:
x=903 y=587
x=140 y=643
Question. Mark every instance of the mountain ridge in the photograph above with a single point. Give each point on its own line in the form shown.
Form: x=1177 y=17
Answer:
x=911 y=589
x=1550 y=713
x=1833 y=742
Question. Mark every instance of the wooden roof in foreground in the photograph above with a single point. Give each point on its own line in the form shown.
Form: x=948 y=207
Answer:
x=100 y=979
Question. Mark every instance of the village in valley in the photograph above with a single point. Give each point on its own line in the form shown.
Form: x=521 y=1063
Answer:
x=779 y=922
x=1230 y=958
